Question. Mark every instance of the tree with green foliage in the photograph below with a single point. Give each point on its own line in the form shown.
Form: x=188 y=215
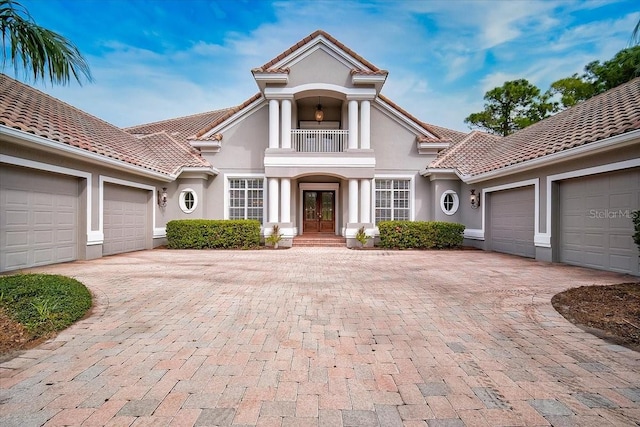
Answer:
x=511 y=107
x=38 y=50
x=572 y=90
x=598 y=77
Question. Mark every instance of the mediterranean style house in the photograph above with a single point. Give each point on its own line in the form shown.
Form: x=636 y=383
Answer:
x=318 y=149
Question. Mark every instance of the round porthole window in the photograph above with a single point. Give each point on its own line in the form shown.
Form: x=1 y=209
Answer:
x=449 y=202
x=188 y=200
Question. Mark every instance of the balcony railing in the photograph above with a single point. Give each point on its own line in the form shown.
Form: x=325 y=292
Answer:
x=319 y=141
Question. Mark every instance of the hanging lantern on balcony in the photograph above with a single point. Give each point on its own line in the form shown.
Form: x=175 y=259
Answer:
x=319 y=113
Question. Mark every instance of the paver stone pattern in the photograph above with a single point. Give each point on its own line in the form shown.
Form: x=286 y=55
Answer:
x=323 y=337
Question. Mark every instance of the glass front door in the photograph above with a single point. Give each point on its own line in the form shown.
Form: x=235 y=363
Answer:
x=319 y=212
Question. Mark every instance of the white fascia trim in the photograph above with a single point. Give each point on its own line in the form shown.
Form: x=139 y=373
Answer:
x=94 y=237
x=79 y=153
x=400 y=118
x=412 y=189
x=107 y=179
x=479 y=234
x=276 y=78
x=320 y=43
x=433 y=173
x=193 y=172
x=368 y=79
x=289 y=92
x=227 y=176
x=222 y=127
x=545 y=238
x=290 y=161
x=570 y=154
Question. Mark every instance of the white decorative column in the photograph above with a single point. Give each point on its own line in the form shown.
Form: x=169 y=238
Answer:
x=273 y=199
x=365 y=201
x=285 y=200
x=365 y=126
x=274 y=123
x=353 y=201
x=353 y=124
x=286 y=123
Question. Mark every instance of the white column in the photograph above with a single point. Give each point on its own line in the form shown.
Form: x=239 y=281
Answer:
x=274 y=123
x=273 y=199
x=365 y=200
x=353 y=124
x=353 y=200
x=285 y=200
x=286 y=123
x=365 y=125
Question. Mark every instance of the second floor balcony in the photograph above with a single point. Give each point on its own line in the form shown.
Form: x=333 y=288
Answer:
x=319 y=140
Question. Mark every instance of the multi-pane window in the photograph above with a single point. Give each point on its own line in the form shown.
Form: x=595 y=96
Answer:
x=393 y=199
x=246 y=198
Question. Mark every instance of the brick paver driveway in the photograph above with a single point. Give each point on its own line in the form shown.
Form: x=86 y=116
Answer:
x=327 y=337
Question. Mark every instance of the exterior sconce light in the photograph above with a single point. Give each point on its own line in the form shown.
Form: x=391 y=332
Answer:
x=474 y=199
x=162 y=197
x=319 y=113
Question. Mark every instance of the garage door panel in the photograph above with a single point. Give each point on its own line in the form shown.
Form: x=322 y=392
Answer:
x=599 y=236
x=39 y=212
x=512 y=221
x=125 y=219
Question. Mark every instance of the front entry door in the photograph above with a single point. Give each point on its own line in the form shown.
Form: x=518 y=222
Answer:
x=319 y=212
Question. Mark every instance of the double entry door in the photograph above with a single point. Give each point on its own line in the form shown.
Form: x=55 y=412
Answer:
x=319 y=212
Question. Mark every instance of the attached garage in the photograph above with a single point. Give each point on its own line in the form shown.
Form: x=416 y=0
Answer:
x=38 y=218
x=511 y=221
x=595 y=225
x=126 y=221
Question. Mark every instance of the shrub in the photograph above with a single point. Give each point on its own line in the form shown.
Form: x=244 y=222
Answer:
x=420 y=234
x=213 y=234
x=43 y=303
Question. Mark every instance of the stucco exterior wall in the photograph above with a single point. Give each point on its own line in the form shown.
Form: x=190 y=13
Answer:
x=320 y=67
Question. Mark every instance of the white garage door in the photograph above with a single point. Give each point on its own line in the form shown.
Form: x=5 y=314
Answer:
x=38 y=218
x=511 y=221
x=595 y=223
x=125 y=219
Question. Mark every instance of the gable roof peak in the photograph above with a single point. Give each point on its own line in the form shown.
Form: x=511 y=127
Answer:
x=318 y=34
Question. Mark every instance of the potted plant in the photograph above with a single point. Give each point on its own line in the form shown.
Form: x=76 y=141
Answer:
x=362 y=237
x=274 y=238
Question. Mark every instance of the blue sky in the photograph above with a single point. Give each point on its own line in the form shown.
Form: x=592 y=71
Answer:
x=158 y=59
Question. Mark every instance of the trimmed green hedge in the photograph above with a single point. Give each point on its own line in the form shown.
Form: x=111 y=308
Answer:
x=420 y=234
x=213 y=234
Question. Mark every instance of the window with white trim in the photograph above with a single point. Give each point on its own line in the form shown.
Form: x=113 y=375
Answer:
x=393 y=200
x=449 y=202
x=246 y=198
x=188 y=200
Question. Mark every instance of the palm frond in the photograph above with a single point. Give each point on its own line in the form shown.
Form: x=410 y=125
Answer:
x=37 y=50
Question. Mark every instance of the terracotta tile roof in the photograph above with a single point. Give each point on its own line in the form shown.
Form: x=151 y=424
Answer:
x=609 y=114
x=308 y=39
x=180 y=128
x=29 y=110
x=441 y=134
x=465 y=153
x=171 y=154
x=228 y=113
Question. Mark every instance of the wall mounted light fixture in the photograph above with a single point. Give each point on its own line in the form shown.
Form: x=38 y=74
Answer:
x=162 y=197
x=319 y=115
x=474 y=199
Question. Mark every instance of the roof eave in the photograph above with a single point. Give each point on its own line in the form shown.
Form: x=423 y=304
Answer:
x=603 y=145
x=197 y=172
x=35 y=141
